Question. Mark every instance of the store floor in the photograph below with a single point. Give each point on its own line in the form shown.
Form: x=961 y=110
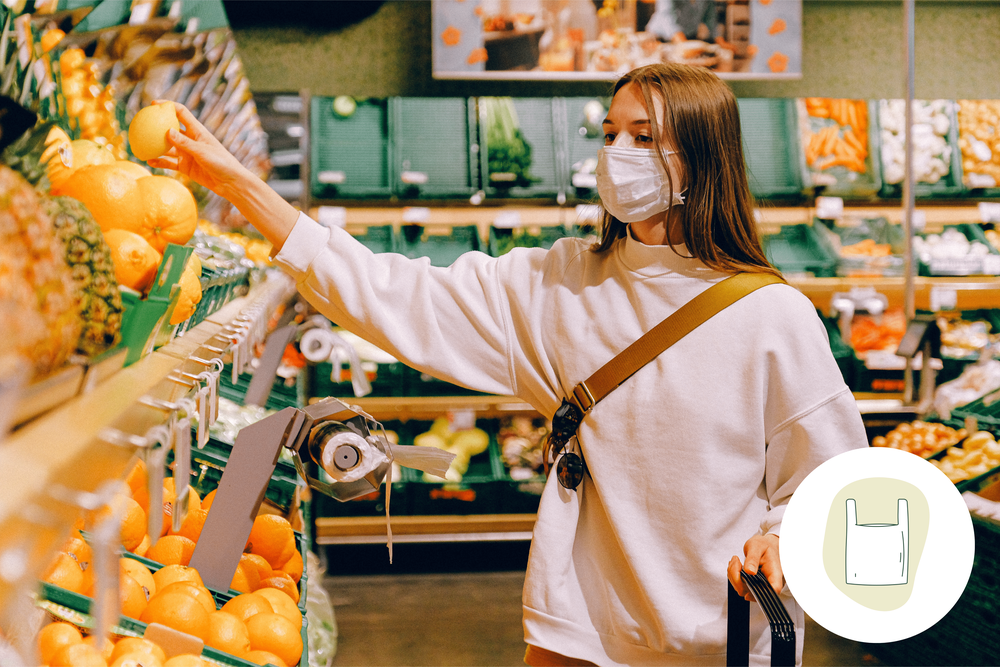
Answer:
x=443 y=607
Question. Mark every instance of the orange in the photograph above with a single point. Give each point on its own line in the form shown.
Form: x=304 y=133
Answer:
x=260 y=563
x=137 y=659
x=286 y=554
x=132 y=595
x=136 y=262
x=110 y=193
x=137 y=477
x=282 y=604
x=199 y=593
x=133 y=645
x=168 y=506
x=139 y=572
x=79 y=550
x=51 y=38
x=168 y=574
x=178 y=611
x=270 y=537
x=194 y=500
x=206 y=502
x=245 y=578
x=185 y=660
x=63 y=165
x=170 y=213
x=281 y=581
x=78 y=655
x=65 y=572
x=172 y=550
x=193 y=523
x=53 y=637
x=276 y=634
x=102 y=644
x=189 y=298
x=143 y=547
x=247 y=605
x=227 y=633
x=264 y=658
x=293 y=567
x=141 y=496
x=147 y=133
x=133 y=524
x=136 y=171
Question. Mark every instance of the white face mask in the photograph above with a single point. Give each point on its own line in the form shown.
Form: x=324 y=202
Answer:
x=632 y=183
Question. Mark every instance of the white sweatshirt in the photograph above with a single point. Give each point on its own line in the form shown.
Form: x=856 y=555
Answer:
x=694 y=454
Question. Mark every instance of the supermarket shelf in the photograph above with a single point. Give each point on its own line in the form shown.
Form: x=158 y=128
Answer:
x=971 y=292
x=428 y=407
x=413 y=529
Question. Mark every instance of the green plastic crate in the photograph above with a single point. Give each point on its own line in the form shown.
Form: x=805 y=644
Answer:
x=378 y=238
x=579 y=146
x=844 y=182
x=442 y=249
x=879 y=230
x=502 y=240
x=434 y=138
x=540 y=123
x=389 y=380
x=281 y=396
x=798 y=249
x=949 y=186
x=842 y=352
x=350 y=156
x=479 y=492
x=770 y=146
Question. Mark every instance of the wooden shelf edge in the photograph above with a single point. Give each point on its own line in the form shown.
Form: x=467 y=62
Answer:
x=423 y=526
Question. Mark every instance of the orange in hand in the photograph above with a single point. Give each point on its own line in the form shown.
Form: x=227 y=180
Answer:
x=147 y=133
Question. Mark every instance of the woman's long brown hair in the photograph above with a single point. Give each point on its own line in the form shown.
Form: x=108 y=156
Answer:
x=702 y=119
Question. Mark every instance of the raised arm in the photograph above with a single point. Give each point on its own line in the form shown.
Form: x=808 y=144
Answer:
x=201 y=157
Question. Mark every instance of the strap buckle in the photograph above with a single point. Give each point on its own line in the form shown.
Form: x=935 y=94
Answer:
x=582 y=397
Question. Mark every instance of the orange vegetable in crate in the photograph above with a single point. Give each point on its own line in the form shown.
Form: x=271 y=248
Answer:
x=66 y=573
x=247 y=605
x=136 y=262
x=172 y=550
x=193 y=523
x=170 y=213
x=276 y=634
x=78 y=655
x=54 y=637
x=132 y=595
x=137 y=646
x=139 y=572
x=282 y=604
x=178 y=611
x=228 y=633
x=264 y=658
x=270 y=537
x=168 y=574
x=193 y=590
x=867 y=335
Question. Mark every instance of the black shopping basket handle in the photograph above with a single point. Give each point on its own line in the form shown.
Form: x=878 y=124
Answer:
x=782 y=627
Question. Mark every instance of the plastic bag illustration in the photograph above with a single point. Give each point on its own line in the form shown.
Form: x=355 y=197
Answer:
x=878 y=553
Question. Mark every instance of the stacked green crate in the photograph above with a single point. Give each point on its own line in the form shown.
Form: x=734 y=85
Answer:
x=434 y=146
x=584 y=138
x=770 y=146
x=503 y=240
x=800 y=250
x=540 y=122
x=282 y=395
x=351 y=154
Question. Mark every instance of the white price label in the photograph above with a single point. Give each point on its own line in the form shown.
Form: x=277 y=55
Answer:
x=508 y=220
x=943 y=298
x=141 y=13
x=331 y=177
x=416 y=215
x=989 y=211
x=462 y=420
x=829 y=208
x=991 y=265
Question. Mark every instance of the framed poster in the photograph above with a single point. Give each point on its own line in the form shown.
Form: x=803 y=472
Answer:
x=602 y=39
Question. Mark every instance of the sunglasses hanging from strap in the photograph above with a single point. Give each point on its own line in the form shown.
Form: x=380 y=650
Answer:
x=571 y=467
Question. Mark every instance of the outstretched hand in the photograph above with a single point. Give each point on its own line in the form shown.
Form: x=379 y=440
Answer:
x=197 y=154
x=761 y=553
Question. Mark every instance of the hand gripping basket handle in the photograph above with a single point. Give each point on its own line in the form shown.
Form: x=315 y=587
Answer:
x=782 y=627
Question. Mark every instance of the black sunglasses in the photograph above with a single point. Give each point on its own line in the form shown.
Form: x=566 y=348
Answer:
x=571 y=468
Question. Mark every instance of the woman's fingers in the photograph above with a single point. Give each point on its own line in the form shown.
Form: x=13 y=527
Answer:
x=164 y=162
x=754 y=549
x=736 y=579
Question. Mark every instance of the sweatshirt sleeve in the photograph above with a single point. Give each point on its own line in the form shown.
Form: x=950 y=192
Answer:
x=452 y=322
x=800 y=445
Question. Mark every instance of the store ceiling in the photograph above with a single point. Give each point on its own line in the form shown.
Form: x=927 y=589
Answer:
x=307 y=14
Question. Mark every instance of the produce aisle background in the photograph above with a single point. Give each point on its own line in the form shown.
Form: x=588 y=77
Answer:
x=460 y=604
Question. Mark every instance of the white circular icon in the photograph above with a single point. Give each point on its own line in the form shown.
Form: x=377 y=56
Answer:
x=876 y=545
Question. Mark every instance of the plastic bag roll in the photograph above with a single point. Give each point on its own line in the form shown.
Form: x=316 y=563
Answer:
x=347 y=457
x=317 y=345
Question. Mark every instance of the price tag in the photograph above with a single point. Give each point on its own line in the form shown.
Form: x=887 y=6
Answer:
x=829 y=208
x=989 y=211
x=202 y=398
x=919 y=220
x=462 y=420
x=141 y=13
x=331 y=177
x=416 y=215
x=182 y=471
x=508 y=220
x=943 y=298
x=156 y=458
x=235 y=367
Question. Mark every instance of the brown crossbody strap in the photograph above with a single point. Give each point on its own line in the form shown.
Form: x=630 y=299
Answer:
x=686 y=319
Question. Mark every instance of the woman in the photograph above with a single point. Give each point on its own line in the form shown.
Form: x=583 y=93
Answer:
x=692 y=458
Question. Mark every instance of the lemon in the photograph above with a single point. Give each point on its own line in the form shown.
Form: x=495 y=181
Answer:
x=147 y=134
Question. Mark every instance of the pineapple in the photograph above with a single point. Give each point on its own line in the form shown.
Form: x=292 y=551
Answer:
x=38 y=309
x=89 y=259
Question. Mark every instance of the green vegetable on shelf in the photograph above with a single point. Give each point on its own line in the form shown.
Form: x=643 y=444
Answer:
x=509 y=154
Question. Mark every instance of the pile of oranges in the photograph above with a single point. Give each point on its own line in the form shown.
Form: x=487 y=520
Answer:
x=90 y=103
